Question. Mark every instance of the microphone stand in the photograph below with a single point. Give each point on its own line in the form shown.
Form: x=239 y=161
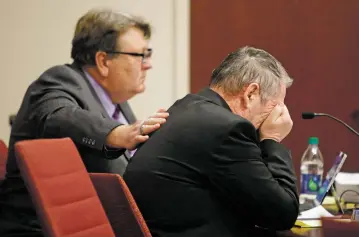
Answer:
x=338 y=120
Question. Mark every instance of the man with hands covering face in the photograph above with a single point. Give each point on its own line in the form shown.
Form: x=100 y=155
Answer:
x=217 y=167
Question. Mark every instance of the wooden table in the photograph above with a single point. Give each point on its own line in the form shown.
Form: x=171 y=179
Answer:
x=295 y=232
x=331 y=228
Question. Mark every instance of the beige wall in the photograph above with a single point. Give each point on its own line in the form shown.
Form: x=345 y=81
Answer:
x=37 y=34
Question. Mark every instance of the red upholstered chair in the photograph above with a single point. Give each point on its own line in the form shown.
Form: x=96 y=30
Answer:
x=3 y=159
x=61 y=189
x=120 y=207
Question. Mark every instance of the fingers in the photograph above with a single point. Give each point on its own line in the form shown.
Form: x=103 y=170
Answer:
x=285 y=111
x=140 y=130
x=153 y=121
x=276 y=112
x=147 y=129
x=278 y=125
x=138 y=134
x=286 y=116
x=159 y=117
x=161 y=110
x=163 y=114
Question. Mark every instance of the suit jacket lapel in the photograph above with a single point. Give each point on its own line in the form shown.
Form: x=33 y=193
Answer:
x=90 y=93
x=130 y=117
x=96 y=104
x=127 y=112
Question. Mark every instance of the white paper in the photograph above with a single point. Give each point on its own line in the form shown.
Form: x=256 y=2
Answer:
x=347 y=181
x=347 y=178
x=314 y=213
x=312 y=216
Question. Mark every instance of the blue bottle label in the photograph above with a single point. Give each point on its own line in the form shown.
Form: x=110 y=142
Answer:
x=310 y=183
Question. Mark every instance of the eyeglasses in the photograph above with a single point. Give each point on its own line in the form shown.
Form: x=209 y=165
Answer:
x=144 y=55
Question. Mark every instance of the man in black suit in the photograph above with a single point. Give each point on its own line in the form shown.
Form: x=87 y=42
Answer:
x=216 y=167
x=86 y=101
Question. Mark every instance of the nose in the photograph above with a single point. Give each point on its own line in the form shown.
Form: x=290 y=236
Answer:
x=147 y=64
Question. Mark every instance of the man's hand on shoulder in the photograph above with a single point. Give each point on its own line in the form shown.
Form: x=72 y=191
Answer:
x=277 y=125
x=129 y=136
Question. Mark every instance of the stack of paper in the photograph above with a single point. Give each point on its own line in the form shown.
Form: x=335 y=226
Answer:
x=311 y=217
x=345 y=182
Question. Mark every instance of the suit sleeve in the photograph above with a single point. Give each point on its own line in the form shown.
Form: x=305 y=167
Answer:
x=258 y=179
x=59 y=115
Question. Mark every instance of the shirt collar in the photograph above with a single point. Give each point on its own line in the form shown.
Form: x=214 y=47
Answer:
x=102 y=94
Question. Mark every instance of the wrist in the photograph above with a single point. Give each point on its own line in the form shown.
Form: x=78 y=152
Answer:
x=114 y=139
x=270 y=138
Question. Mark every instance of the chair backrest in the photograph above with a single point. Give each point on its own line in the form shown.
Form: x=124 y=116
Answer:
x=120 y=207
x=3 y=159
x=65 y=199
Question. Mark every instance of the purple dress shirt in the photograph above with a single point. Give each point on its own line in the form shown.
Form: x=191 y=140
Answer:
x=106 y=102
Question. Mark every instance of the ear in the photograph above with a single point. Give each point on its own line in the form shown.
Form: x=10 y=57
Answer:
x=102 y=63
x=251 y=92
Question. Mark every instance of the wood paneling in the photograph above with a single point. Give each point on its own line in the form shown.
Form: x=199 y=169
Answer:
x=317 y=41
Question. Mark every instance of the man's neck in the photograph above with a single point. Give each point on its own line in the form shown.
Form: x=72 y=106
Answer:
x=233 y=101
x=94 y=74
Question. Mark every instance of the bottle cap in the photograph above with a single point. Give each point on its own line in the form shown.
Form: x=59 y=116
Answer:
x=313 y=141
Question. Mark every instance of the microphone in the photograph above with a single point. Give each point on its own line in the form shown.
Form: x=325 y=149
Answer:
x=311 y=115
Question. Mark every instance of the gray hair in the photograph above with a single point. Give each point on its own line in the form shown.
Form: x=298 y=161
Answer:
x=99 y=29
x=250 y=65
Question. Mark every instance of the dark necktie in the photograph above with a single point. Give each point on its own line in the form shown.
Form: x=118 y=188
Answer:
x=116 y=113
x=116 y=116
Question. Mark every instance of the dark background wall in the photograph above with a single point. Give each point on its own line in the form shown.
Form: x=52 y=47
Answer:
x=317 y=41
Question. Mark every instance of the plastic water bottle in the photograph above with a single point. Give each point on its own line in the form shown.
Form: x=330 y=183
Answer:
x=311 y=168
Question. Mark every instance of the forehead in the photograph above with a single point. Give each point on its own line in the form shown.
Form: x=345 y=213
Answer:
x=133 y=39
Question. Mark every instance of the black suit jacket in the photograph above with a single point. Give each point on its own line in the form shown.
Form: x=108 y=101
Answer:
x=61 y=103
x=205 y=173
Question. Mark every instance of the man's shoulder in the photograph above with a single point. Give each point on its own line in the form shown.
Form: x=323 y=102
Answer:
x=205 y=108
x=203 y=114
x=66 y=75
x=64 y=70
x=62 y=79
